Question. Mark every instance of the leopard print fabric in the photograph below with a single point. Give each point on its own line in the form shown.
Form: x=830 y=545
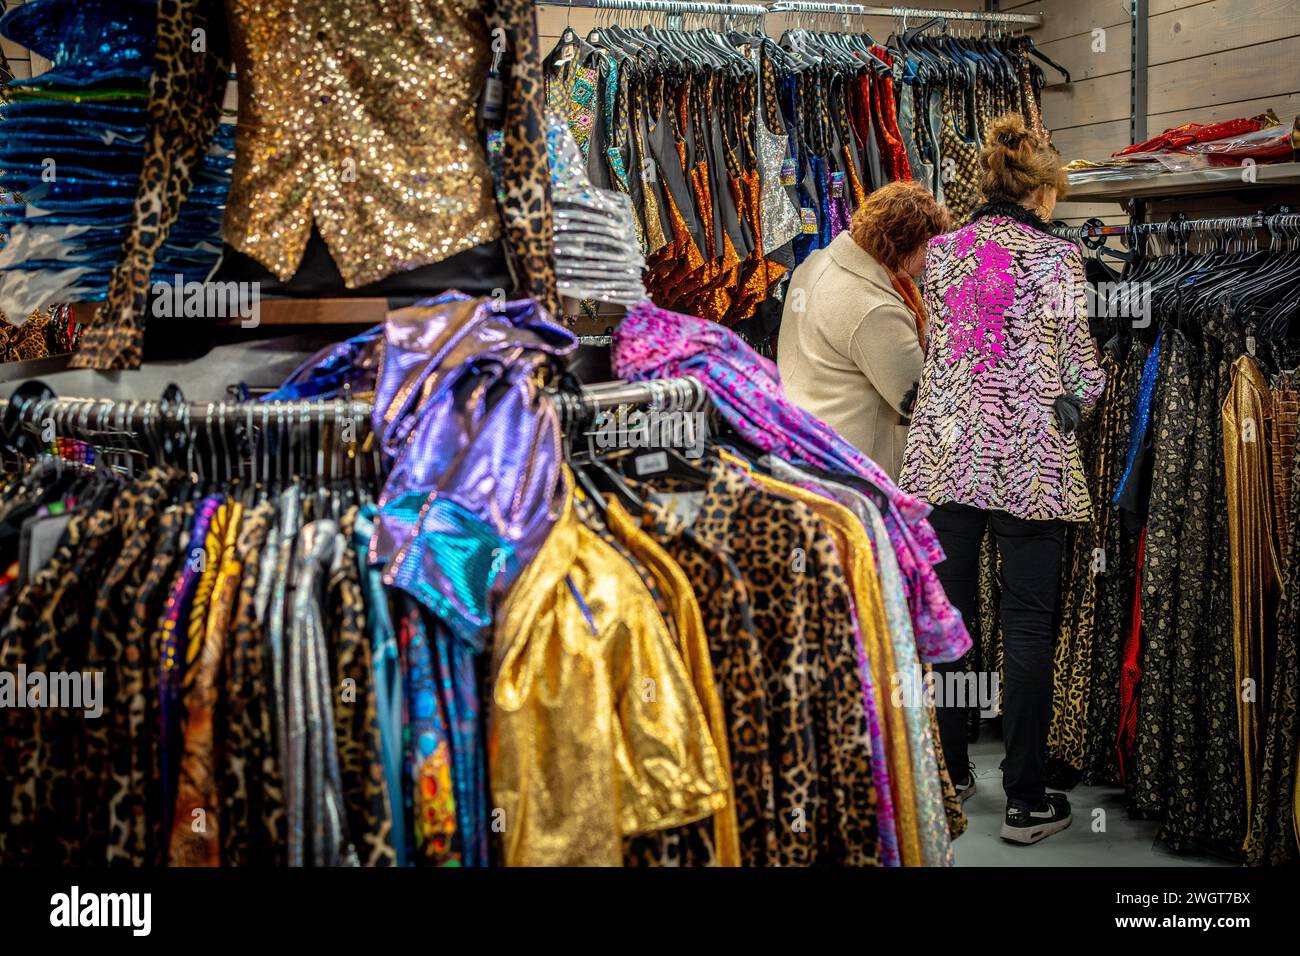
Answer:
x=801 y=699
x=185 y=98
x=137 y=834
x=526 y=210
x=43 y=747
x=356 y=720
x=1072 y=665
x=250 y=787
x=106 y=780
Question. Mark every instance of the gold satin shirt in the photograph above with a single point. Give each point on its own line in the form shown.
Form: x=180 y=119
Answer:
x=362 y=118
x=595 y=730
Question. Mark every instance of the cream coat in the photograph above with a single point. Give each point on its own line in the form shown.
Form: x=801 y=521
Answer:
x=848 y=349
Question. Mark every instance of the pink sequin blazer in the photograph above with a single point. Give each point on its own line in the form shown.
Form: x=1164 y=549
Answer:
x=1008 y=335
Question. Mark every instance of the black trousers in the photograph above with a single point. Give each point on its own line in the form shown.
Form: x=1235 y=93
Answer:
x=1031 y=564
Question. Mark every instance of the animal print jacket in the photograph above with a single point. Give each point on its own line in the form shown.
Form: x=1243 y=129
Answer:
x=1008 y=337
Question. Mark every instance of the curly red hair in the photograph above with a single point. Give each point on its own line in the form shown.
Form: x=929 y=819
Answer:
x=896 y=220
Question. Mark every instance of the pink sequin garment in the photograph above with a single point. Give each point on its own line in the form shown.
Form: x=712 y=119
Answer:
x=654 y=343
x=1008 y=336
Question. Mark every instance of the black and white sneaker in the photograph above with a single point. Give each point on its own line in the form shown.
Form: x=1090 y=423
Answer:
x=966 y=789
x=1026 y=825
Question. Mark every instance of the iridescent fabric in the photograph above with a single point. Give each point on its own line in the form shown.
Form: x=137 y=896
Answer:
x=350 y=364
x=652 y=343
x=472 y=449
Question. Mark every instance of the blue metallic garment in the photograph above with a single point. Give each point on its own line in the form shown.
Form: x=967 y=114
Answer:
x=85 y=120
x=473 y=449
x=90 y=42
x=1142 y=415
x=387 y=665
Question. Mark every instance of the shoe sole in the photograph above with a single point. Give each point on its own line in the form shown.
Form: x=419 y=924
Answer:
x=1028 y=835
x=966 y=794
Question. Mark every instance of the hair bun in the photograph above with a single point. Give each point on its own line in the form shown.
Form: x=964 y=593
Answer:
x=1016 y=160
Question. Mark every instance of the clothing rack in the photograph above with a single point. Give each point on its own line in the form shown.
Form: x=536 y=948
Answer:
x=860 y=10
x=668 y=394
x=1179 y=226
x=679 y=8
x=94 y=418
x=674 y=8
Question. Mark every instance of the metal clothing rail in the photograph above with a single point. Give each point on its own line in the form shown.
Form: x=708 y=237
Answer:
x=1176 y=227
x=861 y=10
x=667 y=394
x=677 y=8
x=98 y=417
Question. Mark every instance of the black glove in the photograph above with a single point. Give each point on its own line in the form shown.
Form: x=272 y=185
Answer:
x=909 y=399
x=1069 y=413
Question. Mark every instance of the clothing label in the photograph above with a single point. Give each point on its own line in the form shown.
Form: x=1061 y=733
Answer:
x=1250 y=345
x=494 y=98
x=39 y=538
x=809 y=221
x=651 y=464
x=837 y=185
x=788 y=172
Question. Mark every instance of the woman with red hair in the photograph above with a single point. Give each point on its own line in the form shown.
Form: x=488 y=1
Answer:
x=853 y=328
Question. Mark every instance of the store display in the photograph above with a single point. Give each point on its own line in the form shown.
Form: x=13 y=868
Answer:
x=1180 y=689
x=742 y=155
x=443 y=597
x=1195 y=146
x=220 y=674
x=373 y=223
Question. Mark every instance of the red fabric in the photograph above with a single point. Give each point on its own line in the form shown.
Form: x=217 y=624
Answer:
x=1273 y=144
x=1131 y=672
x=892 y=151
x=863 y=111
x=1190 y=133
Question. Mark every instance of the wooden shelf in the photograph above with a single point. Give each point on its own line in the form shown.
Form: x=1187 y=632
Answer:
x=1196 y=182
x=279 y=312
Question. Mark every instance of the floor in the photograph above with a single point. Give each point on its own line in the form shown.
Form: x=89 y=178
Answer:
x=1106 y=838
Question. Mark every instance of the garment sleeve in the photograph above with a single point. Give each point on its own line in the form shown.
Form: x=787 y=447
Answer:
x=839 y=712
x=526 y=169
x=1081 y=374
x=886 y=348
x=185 y=97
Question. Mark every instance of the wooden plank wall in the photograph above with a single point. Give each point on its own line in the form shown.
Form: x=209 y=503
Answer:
x=1206 y=60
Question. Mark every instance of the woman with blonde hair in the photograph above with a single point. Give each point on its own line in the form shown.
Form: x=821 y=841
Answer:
x=853 y=326
x=992 y=445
